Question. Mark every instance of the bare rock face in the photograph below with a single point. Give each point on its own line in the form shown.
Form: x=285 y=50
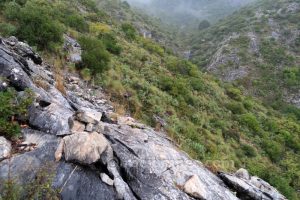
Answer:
x=5 y=148
x=250 y=187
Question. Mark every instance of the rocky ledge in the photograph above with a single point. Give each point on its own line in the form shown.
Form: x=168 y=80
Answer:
x=95 y=154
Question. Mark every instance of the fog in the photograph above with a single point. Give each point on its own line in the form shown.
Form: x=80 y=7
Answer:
x=183 y=12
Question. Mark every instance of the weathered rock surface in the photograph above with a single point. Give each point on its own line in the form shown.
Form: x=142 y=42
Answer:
x=5 y=148
x=195 y=188
x=250 y=187
x=122 y=159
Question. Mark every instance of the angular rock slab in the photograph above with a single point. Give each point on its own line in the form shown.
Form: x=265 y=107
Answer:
x=52 y=119
x=89 y=116
x=248 y=187
x=195 y=188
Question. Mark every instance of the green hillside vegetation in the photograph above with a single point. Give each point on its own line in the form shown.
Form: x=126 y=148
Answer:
x=211 y=120
x=273 y=69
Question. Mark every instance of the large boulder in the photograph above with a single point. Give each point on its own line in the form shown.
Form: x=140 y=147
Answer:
x=85 y=148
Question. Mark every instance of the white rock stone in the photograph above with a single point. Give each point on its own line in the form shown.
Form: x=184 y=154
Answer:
x=106 y=179
x=195 y=188
x=242 y=173
x=5 y=148
x=92 y=117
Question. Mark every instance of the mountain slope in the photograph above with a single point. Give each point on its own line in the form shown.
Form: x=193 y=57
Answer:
x=212 y=121
x=258 y=48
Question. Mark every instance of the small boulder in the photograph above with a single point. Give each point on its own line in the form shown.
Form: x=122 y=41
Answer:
x=89 y=127
x=5 y=148
x=242 y=173
x=195 y=188
x=106 y=179
x=91 y=117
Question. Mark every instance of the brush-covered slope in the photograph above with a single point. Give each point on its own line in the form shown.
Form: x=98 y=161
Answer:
x=212 y=121
x=257 y=47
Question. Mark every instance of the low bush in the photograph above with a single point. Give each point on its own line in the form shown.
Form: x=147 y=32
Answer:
x=7 y=29
x=248 y=150
x=236 y=107
x=110 y=43
x=250 y=121
x=129 y=31
x=12 y=107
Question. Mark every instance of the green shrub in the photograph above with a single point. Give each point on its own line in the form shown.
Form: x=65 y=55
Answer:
x=37 y=25
x=7 y=29
x=234 y=93
x=248 y=150
x=236 y=107
x=12 y=107
x=204 y=24
x=274 y=150
x=152 y=47
x=250 y=121
x=110 y=42
x=292 y=76
x=94 y=55
x=12 y=10
x=77 y=22
x=129 y=31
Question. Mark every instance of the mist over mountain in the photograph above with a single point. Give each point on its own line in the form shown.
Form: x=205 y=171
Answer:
x=187 y=13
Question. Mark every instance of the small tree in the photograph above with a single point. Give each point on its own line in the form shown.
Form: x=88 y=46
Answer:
x=94 y=55
x=204 y=24
x=129 y=31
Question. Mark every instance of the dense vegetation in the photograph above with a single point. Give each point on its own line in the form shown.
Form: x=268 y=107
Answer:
x=212 y=121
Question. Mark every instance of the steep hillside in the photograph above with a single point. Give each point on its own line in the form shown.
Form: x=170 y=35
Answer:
x=212 y=121
x=257 y=48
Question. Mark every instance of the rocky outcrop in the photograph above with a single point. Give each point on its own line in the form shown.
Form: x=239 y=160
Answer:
x=97 y=157
x=73 y=48
x=250 y=187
